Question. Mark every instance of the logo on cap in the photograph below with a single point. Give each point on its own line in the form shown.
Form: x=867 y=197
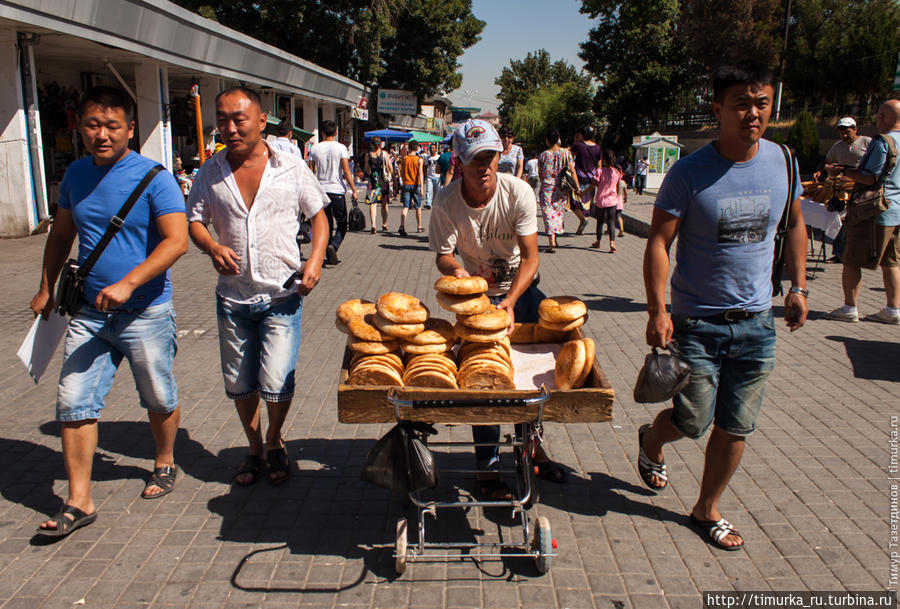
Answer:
x=475 y=131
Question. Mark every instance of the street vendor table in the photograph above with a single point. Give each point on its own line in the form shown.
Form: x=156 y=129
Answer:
x=817 y=215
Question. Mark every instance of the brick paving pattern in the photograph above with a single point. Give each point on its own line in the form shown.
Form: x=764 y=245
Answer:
x=811 y=496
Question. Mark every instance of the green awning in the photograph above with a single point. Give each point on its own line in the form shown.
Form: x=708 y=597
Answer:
x=273 y=121
x=421 y=136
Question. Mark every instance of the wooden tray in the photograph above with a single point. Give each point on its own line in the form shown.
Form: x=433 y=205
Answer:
x=592 y=403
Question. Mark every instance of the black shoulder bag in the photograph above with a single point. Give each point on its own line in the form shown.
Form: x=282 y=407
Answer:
x=70 y=292
x=784 y=225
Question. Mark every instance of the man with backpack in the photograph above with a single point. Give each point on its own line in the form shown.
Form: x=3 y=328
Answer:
x=875 y=241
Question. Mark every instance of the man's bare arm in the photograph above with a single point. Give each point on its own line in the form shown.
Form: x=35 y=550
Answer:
x=795 y=305
x=663 y=228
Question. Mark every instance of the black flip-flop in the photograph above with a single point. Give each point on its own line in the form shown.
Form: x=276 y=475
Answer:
x=714 y=531
x=252 y=464
x=162 y=477
x=66 y=525
x=278 y=463
x=650 y=469
x=548 y=470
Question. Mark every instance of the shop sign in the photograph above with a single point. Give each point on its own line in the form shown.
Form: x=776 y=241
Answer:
x=359 y=114
x=396 y=101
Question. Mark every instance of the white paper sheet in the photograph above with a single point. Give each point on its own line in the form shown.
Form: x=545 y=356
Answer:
x=40 y=344
x=534 y=365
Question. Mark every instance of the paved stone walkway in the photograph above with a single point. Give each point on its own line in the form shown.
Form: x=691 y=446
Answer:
x=812 y=495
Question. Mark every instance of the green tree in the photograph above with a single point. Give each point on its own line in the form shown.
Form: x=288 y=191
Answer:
x=564 y=106
x=638 y=60
x=377 y=42
x=842 y=51
x=524 y=77
x=803 y=138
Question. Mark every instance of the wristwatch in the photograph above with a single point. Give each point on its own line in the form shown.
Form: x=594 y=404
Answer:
x=802 y=291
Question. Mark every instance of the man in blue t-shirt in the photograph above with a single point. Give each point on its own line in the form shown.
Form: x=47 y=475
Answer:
x=724 y=203
x=127 y=309
x=875 y=241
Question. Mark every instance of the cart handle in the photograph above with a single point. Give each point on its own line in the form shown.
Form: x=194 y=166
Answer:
x=450 y=403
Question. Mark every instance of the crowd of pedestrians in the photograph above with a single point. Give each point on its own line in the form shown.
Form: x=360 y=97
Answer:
x=484 y=195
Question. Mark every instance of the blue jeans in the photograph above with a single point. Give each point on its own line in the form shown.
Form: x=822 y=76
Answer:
x=96 y=343
x=431 y=188
x=409 y=196
x=258 y=344
x=730 y=363
x=525 y=311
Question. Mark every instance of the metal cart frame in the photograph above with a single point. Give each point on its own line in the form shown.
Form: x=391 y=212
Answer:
x=537 y=542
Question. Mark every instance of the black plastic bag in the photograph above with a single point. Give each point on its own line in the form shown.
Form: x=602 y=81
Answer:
x=357 y=220
x=662 y=377
x=401 y=461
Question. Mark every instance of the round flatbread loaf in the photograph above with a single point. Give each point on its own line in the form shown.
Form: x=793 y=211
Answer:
x=469 y=347
x=492 y=319
x=390 y=328
x=436 y=332
x=436 y=379
x=561 y=308
x=431 y=359
x=401 y=308
x=348 y=309
x=485 y=377
x=478 y=336
x=486 y=357
x=477 y=349
x=589 y=352
x=363 y=328
x=375 y=375
x=372 y=348
x=422 y=349
x=461 y=286
x=390 y=359
x=562 y=326
x=569 y=364
x=464 y=305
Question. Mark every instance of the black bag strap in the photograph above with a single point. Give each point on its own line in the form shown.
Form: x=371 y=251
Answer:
x=784 y=223
x=116 y=222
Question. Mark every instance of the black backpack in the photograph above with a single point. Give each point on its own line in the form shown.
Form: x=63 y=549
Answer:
x=357 y=220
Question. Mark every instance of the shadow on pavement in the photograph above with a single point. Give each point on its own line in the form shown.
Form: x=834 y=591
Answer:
x=874 y=360
x=613 y=304
x=390 y=246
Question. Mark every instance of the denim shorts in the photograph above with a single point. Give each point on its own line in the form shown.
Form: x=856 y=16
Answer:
x=258 y=344
x=96 y=342
x=730 y=363
x=409 y=196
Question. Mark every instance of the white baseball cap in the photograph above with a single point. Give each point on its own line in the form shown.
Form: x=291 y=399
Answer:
x=474 y=136
x=847 y=121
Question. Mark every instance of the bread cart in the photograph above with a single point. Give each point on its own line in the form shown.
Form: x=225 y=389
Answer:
x=532 y=407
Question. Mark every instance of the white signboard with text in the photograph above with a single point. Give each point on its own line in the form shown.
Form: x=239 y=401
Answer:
x=396 y=101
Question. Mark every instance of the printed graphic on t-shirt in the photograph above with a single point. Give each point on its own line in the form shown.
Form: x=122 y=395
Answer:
x=501 y=271
x=744 y=219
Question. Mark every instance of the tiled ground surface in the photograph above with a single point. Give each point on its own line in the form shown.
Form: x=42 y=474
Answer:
x=811 y=496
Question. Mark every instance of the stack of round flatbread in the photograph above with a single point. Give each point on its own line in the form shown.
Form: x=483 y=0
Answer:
x=375 y=370
x=574 y=363
x=562 y=313
x=375 y=360
x=485 y=365
x=436 y=337
x=435 y=370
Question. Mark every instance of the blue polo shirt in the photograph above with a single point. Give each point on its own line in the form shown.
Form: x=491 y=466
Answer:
x=94 y=194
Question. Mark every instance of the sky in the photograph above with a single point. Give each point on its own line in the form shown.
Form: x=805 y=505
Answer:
x=513 y=29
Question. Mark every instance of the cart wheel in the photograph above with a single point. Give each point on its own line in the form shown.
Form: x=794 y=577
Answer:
x=542 y=544
x=400 y=547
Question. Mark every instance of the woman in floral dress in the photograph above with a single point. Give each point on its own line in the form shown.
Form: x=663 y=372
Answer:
x=554 y=199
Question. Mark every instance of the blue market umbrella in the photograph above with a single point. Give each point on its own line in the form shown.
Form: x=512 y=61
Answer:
x=388 y=135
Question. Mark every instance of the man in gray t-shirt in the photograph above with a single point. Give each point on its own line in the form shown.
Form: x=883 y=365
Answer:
x=724 y=203
x=848 y=150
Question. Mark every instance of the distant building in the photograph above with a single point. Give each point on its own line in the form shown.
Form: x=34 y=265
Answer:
x=491 y=118
x=156 y=50
x=462 y=113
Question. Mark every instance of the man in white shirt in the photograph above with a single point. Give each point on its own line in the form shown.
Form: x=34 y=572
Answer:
x=330 y=161
x=489 y=219
x=254 y=195
x=285 y=142
x=640 y=178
